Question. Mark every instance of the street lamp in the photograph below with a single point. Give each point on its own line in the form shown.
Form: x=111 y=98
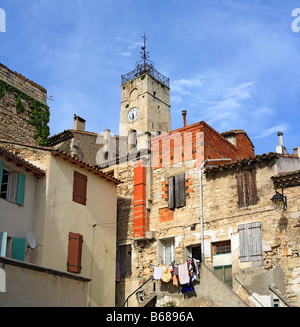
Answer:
x=279 y=201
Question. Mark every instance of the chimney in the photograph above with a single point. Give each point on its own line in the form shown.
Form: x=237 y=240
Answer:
x=280 y=148
x=106 y=137
x=297 y=151
x=280 y=138
x=184 y=112
x=79 y=123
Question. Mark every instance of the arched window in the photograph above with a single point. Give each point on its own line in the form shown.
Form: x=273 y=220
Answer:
x=133 y=138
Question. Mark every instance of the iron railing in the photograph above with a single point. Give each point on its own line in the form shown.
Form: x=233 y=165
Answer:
x=126 y=301
x=145 y=68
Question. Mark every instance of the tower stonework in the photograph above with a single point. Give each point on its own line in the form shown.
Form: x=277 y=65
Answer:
x=151 y=98
x=145 y=101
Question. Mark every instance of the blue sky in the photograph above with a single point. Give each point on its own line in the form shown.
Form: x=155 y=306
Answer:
x=232 y=63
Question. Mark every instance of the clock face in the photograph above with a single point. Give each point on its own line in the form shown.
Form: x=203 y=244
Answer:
x=133 y=114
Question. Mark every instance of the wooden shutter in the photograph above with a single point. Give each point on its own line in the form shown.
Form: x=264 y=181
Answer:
x=180 y=192
x=247 y=189
x=171 y=193
x=21 y=189
x=255 y=248
x=79 y=188
x=243 y=237
x=18 y=249
x=250 y=242
x=74 y=252
x=3 y=243
x=253 y=199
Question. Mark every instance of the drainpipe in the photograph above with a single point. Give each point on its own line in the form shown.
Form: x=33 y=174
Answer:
x=201 y=201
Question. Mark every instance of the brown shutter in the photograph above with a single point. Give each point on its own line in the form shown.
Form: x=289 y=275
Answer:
x=74 y=252
x=79 y=188
x=247 y=190
x=240 y=187
x=253 y=199
x=180 y=192
x=171 y=193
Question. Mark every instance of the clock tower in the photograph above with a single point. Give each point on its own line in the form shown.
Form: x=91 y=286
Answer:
x=145 y=100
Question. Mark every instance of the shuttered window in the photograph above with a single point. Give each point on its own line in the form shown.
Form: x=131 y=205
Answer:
x=79 y=188
x=3 y=243
x=18 y=249
x=177 y=192
x=21 y=189
x=250 y=242
x=247 y=190
x=74 y=252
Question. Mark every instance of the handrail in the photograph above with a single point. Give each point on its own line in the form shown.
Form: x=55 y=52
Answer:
x=272 y=288
x=151 y=278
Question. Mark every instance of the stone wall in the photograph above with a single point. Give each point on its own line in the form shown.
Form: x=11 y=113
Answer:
x=16 y=126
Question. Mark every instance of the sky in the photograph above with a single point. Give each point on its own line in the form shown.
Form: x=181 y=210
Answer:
x=233 y=64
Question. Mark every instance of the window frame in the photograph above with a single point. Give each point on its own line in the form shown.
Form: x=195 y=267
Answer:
x=225 y=243
x=162 y=250
x=8 y=195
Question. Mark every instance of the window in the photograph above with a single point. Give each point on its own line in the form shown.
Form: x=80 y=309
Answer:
x=79 y=188
x=177 y=192
x=6 y=184
x=124 y=257
x=221 y=247
x=224 y=273
x=12 y=185
x=193 y=251
x=247 y=190
x=74 y=252
x=250 y=242
x=166 y=251
x=3 y=243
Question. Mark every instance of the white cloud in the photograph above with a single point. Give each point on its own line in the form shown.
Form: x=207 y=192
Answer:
x=282 y=127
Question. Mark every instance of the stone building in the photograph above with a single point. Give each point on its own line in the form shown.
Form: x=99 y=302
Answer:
x=66 y=204
x=195 y=193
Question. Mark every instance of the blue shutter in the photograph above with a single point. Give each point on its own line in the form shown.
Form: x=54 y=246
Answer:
x=3 y=242
x=21 y=189
x=18 y=249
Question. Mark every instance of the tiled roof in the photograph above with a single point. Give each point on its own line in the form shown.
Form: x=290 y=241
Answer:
x=242 y=162
x=21 y=162
x=89 y=167
x=287 y=179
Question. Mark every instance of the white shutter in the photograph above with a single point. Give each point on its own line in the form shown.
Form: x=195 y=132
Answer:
x=255 y=248
x=250 y=242
x=243 y=237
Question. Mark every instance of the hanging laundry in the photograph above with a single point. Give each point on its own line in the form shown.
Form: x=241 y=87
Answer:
x=187 y=287
x=166 y=274
x=175 y=280
x=157 y=273
x=183 y=274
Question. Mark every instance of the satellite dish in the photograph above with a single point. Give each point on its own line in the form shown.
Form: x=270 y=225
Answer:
x=31 y=240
